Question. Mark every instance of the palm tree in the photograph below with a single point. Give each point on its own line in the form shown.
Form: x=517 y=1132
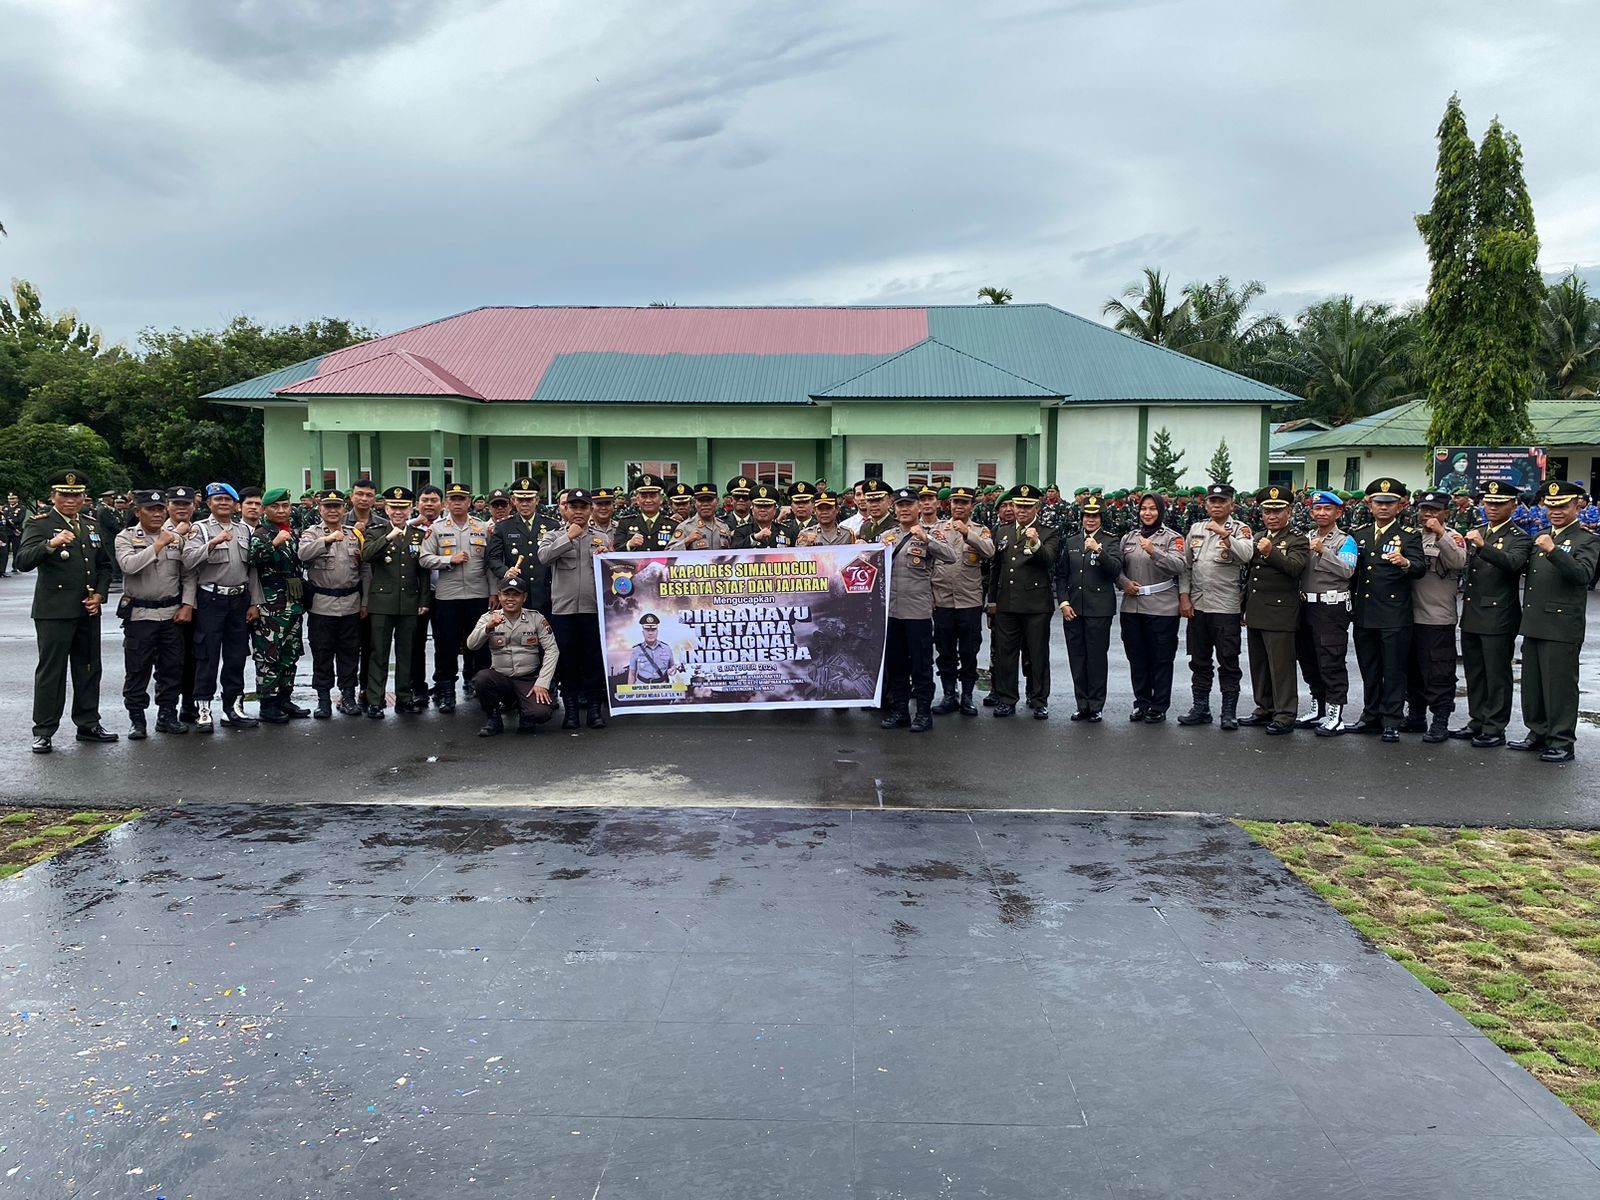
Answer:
x=1570 y=353
x=1149 y=319
x=1221 y=330
x=1348 y=360
x=995 y=295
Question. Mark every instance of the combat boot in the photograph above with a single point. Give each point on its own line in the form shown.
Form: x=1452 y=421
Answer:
x=897 y=718
x=1312 y=717
x=234 y=716
x=968 y=708
x=324 y=708
x=167 y=721
x=1438 y=729
x=569 y=719
x=287 y=706
x=348 y=705
x=1230 y=710
x=597 y=715
x=202 y=717
x=947 y=696
x=923 y=721
x=136 y=728
x=1200 y=712
x=444 y=698
x=1413 y=722
x=1332 y=721
x=270 y=711
x=492 y=725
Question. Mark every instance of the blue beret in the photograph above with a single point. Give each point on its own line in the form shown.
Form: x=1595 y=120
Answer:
x=221 y=489
x=1327 y=498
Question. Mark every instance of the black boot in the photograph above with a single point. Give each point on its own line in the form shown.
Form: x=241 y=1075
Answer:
x=324 y=708
x=570 y=718
x=1413 y=722
x=492 y=725
x=444 y=698
x=348 y=705
x=968 y=708
x=136 y=727
x=896 y=718
x=167 y=721
x=1200 y=711
x=287 y=706
x=597 y=715
x=923 y=721
x=947 y=696
x=1230 y=710
x=271 y=712
x=1438 y=729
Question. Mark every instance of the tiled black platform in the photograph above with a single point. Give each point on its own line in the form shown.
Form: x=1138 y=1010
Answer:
x=392 y=1002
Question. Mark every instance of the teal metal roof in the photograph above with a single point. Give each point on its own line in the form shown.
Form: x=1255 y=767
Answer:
x=262 y=387
x=931 y=370
x=1555 y=423
x=599 y=378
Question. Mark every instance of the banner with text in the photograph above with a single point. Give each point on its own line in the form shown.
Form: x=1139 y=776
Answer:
x=734 y=629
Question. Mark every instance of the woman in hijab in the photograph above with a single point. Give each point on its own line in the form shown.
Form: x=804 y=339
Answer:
x=1152 y=569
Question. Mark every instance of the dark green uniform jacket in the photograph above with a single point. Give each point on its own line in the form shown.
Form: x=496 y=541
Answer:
x=1491 y=604
x=1020 y=582
x=1272 y=582
x=657 y=531
x=1557 y=596
x=396 y=584
x=66 y=573
x=513 y=537
x=784 y=533
x=1380 y=593
x=1088 y=580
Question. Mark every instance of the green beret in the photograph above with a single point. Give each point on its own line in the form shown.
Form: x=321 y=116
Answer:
x=944 y=493
x=275 y=496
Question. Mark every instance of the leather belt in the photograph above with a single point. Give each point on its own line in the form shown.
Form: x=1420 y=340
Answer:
x=164 y=602
x=1151 y=589
x=217 y=589
x=1326 y=597
x=333 y=592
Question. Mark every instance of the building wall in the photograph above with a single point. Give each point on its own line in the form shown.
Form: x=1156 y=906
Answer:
x=1408 y=464
x=1097 y=447
x=1197 y=430
x=894 y=452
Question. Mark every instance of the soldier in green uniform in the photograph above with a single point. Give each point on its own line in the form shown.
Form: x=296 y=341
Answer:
x=395 y=595
x=74 y=564
x=878 y=518
x=277 y=589
x=1272 y=612
x=802 y=505
x=1389 y=558
x=1491 y=611
x=1554 y=607
x=648 y=529
x=514 y=546
x=738 y=493
x=680 y=503
x=765 y=530
x=1086 y=586
x=1022 y=591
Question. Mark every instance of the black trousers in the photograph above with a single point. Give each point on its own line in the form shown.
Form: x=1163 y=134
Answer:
x=1550 y=691
x=335 y=652
x=1321 y=644
x=186 y=684
x=1487 y=659
x=1382 y=655
x=497 y=691
x=452 y=621
x=908 y=664
x=151 y=647
x=1024 y=635
x=1272 y=676
x=957 y=634
x=66 y=642
x=1216 y=634
x=1089 y=654
x=1151 y=643
x=581 y=669
x=1431 y=670
x=5 y=554
x=221 y=639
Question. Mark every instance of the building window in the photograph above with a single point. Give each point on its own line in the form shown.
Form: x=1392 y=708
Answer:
x=934 y=474
x=330 y=479
x=661 y=468
x=421 y=472
x=872 y=470
x=779 y=474
x=1322 y=472
x=549 y=474
x=988 y=474
x=1555 y=468
x=1352 y=473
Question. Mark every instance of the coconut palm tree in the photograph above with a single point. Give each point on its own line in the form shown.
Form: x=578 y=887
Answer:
x=995 y=295
x=1148 y=318
x=1221 y=330
x=1347 y=359
x=1569 y=354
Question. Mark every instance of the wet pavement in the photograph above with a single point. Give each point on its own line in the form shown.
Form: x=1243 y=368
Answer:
x=829 y=758
x=277 y=1001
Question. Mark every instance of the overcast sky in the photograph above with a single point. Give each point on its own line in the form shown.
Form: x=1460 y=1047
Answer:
x=177 y=162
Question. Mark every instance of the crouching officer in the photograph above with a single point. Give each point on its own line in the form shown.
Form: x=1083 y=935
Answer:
x=395 y=595
x=522 y=662
x=154 y=561
x=1554 y=605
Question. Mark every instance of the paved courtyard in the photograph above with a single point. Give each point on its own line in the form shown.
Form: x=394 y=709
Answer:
x=351 y=1001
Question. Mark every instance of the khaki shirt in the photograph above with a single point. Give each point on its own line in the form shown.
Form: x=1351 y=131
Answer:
x=818 y=536
x=1216 y=566
x=227 y=565
x=572 y=568
x=457 y=581
x=911 y=572
x=1331 y=570
x=333 y=571
x=718 y=536
x=149 y=574
x=959 y=584
x=1434 y=596
x=1164 y=565
x=523 y=648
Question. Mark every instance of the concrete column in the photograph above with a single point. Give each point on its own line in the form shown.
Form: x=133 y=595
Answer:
x=1020 y=460
x=585 y=472
x=1031 y=450
x=352 y=444
x=1052 y=419
x=314 y=459
x=436 y=458
x=702 y=460
x=483 y=464
x=464 y=461
x=837 y=482
x=375 y=462
x=1144 y=444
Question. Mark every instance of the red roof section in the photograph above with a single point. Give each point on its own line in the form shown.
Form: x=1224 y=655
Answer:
x=502 y=353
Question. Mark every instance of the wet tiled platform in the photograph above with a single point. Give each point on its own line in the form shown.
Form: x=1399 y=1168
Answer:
x=395 y=1002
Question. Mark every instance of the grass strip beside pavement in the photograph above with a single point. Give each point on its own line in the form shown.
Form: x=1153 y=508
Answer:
x=1504 y=924
x=27 y=837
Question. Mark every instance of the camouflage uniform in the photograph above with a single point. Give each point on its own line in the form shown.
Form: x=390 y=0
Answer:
x=278 y=590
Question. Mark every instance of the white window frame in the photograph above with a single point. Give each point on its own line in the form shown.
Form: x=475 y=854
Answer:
x=330 y=478
x=416 y=467
x=661 y=468
x=778 y=473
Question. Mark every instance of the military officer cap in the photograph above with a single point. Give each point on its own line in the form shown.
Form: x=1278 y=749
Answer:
x=1434 y=499
x=1500 y=491
x=766 y=493
x=1218 y=491
x=183 y=493
x=826 y=499
x=602 y=495
x=149 y=499
x=1091 y=507
x=577 y=496
x=398 y=495
x=650 y=621
x=963 y=493
x=647 y=483
x=1272 y=496
x=906 y=495
x=333 y=496
x=499 y=496
x=1024 y=494
x=524 y=488
x=801 y=490
x=71 y=483
x=874 y=488
x=109 y=495
x=275 y=496
x=928 y=489
x=740 y=485
x=1557 y=493
x=706 y=489
x=514 y=583
x=1386 y=489
x=458 y=491
x=680 y=491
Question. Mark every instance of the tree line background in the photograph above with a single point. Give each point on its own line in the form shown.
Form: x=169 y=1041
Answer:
x=1491 y=336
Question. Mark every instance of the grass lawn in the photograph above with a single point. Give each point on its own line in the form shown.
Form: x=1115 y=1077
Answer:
x=1504 y=924
x=27 y=837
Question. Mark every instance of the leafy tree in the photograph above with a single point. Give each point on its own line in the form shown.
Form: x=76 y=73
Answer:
x=1148 y=317
x=1569 y=355
x=1161 y=469
x=1220 y=468
x=30 y=454
x=995 y=295
x=1348 y=360
x=1446 y=230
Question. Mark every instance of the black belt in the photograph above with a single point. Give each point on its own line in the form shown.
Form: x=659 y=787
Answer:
x=334 y=592
x=164 y=602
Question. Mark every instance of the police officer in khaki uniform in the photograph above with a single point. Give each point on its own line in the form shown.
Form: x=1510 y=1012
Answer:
x=1322 y=642
x=914 y=550
x=1272 y=612
x=457 y=548
x=1023 y=595
x=219 y=589
x=826 y=531
x=958 y=604
x=1086 y=587
x=574 y=616
x=74 y=565
x=1217 y=553
x=648 y=528
x=154 y=561
x=396 y=595
x=523 y=659
x=1389 y=561
x=1431 y=672
x=705 y=530
x=1491 y=612
x=331 y=553
x=1554 y=608
x=1153 y=566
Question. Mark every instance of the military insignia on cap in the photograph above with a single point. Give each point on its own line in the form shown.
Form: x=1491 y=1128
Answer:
x=397 y=493
x=1554 y=486
x=1385 y=485
x=1273 y=492
x=72 y=477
